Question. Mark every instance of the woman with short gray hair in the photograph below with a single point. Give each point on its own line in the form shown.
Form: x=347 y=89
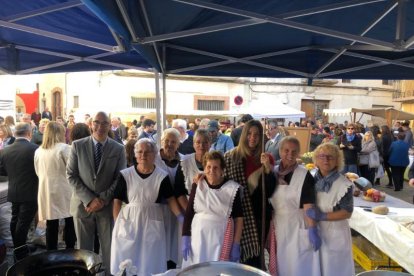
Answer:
x=139 y=231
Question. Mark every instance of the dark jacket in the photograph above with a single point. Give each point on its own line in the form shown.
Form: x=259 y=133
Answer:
x=351 y=155
x=399 y=154
x=187 y=146
x=17 y=162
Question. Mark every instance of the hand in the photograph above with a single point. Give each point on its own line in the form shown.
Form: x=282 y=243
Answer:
x=186 y=246
x=95 y=205
x=411 y=182
x=350 y=147
x=314 y=238
x=198 y=177
x=235 y=252
x=180 y=218
x=316 y=214
x=265 y=161
x=341 y=146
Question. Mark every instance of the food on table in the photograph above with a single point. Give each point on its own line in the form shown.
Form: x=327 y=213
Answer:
x=374 y=195
x=380 y=210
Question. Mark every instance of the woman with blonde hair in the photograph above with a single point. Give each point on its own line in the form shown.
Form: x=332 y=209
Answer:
x=244 y=166
x=6 y=136
x=368 y=146
x=334 y=206
x=54 y=189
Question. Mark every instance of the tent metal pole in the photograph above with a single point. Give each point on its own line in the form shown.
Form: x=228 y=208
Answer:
x=127 y=20
x=164 y=88
x=401 y=18
x=367 y=29
x=158 y=107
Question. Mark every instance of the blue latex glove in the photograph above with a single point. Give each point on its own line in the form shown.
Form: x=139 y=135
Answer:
x=316 y=214
x=186 y=246
x=235 y=252
x=180 y=218
x=314 y=238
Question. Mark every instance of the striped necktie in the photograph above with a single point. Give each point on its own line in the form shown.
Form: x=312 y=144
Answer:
x=98 y=155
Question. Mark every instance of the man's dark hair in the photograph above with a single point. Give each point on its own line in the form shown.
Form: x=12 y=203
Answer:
x=245 y=118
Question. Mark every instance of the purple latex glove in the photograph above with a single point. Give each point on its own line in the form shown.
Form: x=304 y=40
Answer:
x=235 y=252
x=180 y=218
x=186 y=246
x=316 y=214
x=314 y=238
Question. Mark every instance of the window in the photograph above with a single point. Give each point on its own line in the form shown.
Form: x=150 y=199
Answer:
x=75 y=101
x=387 y=82
x=346 y=81
x=210 y=105
x=148 y=103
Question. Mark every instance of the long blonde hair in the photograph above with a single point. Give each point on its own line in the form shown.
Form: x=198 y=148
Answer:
x=54 y=133
x=242 y=150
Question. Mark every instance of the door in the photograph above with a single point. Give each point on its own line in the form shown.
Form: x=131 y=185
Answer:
x=56 y=104
x=314 y=109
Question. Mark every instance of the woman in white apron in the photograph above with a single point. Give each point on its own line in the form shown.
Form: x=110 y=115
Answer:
x=139 y=232
x=296 y=235
x=192 y=164
x=334 y=203
x=169 y=160
x=214 y=202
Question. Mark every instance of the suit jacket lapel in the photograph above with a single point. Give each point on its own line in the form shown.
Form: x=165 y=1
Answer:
x=90 y=150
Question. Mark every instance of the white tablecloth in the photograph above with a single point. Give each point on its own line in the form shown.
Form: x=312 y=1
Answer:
x=385 y=231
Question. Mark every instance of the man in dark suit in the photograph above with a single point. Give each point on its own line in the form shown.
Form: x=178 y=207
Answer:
x=93 y=167
x=272 y=146
x=46 y=114
x=17 y=162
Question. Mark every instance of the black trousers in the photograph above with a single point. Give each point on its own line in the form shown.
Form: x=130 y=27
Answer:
x=23 y=214
x=368 y=173
x=398 y=177
x=387 y=169
x=52 y=231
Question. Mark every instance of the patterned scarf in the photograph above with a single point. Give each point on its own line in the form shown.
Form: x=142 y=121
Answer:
x=281 y=172
x=349 y=138
x=250 y=245
x=324 y=184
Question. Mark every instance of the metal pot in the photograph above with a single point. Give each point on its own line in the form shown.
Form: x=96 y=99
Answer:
x=58 y=262
x=221 y=268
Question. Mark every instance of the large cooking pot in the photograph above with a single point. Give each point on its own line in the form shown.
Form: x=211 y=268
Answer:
x=221 y=268
x=382 y=273
x=58 y=262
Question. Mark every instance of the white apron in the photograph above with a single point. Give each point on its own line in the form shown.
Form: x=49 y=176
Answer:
x=295 y=255
x=190 y=170
x=171 y=224
x=336 y=249
x=139 y=232
x=212 y=209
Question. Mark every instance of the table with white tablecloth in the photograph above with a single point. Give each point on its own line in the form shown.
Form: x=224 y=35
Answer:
x=386 y=231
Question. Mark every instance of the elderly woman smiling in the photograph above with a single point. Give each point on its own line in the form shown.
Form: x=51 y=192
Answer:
x=139 y=232
x=334 y=205
x=213 y=205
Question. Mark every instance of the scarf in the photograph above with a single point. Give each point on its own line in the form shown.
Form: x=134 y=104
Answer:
x=349 y=138
x=282 y=172
x=324 y=184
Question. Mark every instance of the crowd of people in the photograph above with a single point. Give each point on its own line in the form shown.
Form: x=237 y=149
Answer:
x=210 y=192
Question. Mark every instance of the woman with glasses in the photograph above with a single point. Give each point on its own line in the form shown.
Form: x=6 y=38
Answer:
x=192 y=164
x=334 y=206
x=296 y=235
x=139 y=233
x=350 y=144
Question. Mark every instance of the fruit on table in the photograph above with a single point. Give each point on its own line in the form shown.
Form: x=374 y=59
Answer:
x=374 y=195
x=381 y=210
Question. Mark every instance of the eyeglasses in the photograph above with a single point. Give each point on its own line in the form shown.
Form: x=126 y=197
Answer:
x=99 y=123
x=325 y=157
x=351 y=128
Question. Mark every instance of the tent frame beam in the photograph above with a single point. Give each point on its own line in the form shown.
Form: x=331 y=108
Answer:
x=252 y=21
x=43 y=11
x=291 y=24
x=367 y=29
x=237 y=60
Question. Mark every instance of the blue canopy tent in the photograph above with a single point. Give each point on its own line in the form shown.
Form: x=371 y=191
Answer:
x=47 y=36
x=363 y=39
